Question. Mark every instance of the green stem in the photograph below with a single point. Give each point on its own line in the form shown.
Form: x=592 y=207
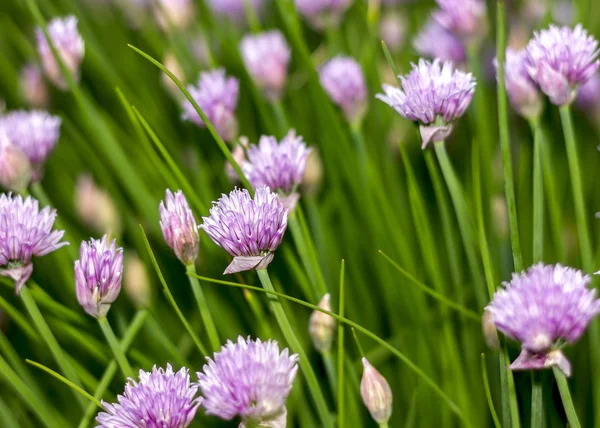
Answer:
x=509 y=188
x=538 y=195
x=292 y=339
x=341 y=354
x=537 y=406
x=116 y=348
x=565 y=395
x=211 y=329
x=488 y=393
x=328 y=362
x=384 y=425
x=280 y=117
x=48 y=337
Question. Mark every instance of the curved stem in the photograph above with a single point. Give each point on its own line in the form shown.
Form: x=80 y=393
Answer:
x=565 y=395
x=116 y=347
x=292 y=339
x=211 y=329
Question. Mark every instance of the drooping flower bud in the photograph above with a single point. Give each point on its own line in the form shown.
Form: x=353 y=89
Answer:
x=15 y=169
x=98 y=275
x=376 y=393
x=95 y=207
x=179 y=227
x=321 y=326
x=136 y=281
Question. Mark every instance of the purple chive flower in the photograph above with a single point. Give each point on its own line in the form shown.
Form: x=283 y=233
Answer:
x=376 y=393
x=523 y=92
x=544 y=308
x=280 y=166
x=250 y=379
x=179 y=227
x=465 y=18
x=217 y=96
x=343 y=80
x=98 y=275
x=249 y=229
x=434 y=95
x=15 y=168
x=35 y=132
x=322 y=14
x=434 y=41
x=161 y=398
x=69 y=44
x=560 y=60
x=234 y=9
x=266 y=57
x=25 y=231
x=588 y=96
x=33 y=87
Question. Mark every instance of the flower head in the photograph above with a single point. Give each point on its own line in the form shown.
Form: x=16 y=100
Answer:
x=95 y=207
x=179 y=227
x=376 y=393
x=561 y=59
x=35 y=132
x=278 y=165
x=69 y=44
x=322 y=14
x=25 y=231
x=465 y=18
x=543 y=308
x=435 y=41
x=343 y=80
x=434 y=95
x=33 y=87
x=233 y=9
x=161 y=398
x=321 y=326
x=523 y=93
x=266 y=56
x=250 y=379
x=588 y=96
x=98 y=275
x=15 y=168
x=217 y=96
x=249 y=229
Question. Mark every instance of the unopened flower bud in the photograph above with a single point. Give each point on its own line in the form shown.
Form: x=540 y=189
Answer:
x=313 y=174
x=490 y=333
x=173 y=13
x=33 y=87
x=376 y=393
x=393 y=31
x=15 y=169
x=171 y=63
x=239 y=155
x=136 y=281
x=95 y=207
x=321 y=326
x=179 y=227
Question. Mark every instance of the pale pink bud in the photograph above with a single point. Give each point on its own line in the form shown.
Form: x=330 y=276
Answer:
x=136 y=281
x=376 y=393
x=15 y=168
x=95 y=207
x=321 y=326
x=33 y=87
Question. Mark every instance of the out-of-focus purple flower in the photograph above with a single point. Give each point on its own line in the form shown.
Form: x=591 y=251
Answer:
x=35 y=133
x=234 y=9
x=392 y=30
x=322 y=14
x=25 y=231
x=136 y=281
x=33 y=86
x=343 y=80
x=376 y=393
x=544 y=308
x=217 y=96
x=322 y=326
x=95 y=207
x=266 y=57
x=179 y=227
x=434 y=95
x=280 y=166
x=249 y=229
x=523 y=92
x=435 y=41
x=15 y=168
x=173 y=13
x=69 y=44
x=250 y=379
x=560 y=60
x=161 y=398
x=588 y=96
x=98 y=275
x=465 y=18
